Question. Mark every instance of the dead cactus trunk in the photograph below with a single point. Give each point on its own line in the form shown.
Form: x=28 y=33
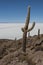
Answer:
x=25 y=30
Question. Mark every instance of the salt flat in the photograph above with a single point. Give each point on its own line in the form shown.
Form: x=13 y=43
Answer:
x=12 y=30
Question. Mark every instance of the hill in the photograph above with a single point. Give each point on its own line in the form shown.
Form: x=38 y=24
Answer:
x=11 y=51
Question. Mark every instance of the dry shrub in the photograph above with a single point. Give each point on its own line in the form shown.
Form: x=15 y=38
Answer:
x=22 y=58
x=29 y=61
x=8 y=58
x=3 y=51
x=39 y=48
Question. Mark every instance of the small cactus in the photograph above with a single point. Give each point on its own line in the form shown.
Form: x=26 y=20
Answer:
x=38 y=33
x=15 y=39
x=28 y=34
x=25 y=30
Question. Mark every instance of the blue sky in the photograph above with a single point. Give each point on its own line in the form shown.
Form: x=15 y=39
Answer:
x=16 y=10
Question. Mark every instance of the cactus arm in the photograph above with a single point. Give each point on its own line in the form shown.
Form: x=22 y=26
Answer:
x=22 y=29
x=31 y=27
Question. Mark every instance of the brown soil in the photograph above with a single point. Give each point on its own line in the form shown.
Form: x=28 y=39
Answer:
x=11 y=51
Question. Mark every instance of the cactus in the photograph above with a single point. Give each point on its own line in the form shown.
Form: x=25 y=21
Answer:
x=15 y=39
x=25 y=29
x=38 y=33
x=28 y=34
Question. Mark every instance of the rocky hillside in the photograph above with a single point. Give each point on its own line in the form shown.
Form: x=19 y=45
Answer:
x=11 y=51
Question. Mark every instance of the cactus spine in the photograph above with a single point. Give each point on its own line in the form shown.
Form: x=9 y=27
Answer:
x=25 y=29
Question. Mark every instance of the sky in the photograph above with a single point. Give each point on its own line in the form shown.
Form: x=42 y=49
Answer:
x=15 y=11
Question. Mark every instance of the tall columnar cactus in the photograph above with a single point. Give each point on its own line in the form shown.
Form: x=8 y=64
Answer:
x=25 y=29
x=39 y=33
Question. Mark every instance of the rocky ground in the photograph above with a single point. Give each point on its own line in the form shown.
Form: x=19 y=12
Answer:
x=11 y=51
